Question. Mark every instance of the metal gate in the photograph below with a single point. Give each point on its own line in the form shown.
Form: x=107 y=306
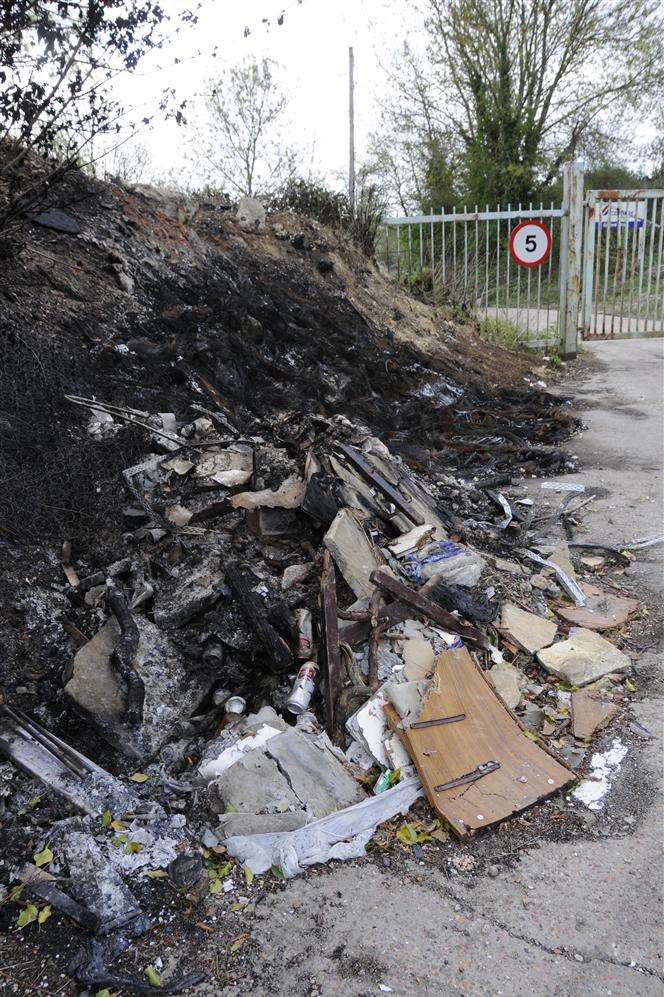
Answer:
x=623 y=264
x=461 y=257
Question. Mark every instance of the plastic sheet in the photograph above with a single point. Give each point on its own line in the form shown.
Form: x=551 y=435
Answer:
x=341 y=835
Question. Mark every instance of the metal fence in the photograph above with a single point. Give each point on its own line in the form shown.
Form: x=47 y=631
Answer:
x=461 y=258
x=623 y=264
x=603 y=277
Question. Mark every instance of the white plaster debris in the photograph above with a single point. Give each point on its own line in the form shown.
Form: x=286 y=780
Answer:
x=604 y=765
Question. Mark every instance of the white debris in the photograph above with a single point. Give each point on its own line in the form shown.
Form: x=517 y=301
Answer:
x=604 y=766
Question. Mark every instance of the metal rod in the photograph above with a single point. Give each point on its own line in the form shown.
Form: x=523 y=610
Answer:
x=497 y=263
x=652 y=246
x=660 y=263
x=485 y=768
x=422 y=724
x=625 y=254
x=607 y=249
x=486 y=267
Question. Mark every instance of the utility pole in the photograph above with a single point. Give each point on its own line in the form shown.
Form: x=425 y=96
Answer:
x=351 y=129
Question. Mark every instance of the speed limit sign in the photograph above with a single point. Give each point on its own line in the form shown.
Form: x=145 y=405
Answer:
x=530 y=244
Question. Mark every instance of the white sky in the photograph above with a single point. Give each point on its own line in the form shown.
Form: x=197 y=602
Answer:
x=311 y=47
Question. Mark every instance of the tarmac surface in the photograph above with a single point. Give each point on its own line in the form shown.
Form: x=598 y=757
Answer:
x=570 y=917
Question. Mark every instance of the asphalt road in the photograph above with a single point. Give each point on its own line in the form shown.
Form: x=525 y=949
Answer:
x=569 y=917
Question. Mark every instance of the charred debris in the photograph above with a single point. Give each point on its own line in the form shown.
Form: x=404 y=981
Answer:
x=314 y=593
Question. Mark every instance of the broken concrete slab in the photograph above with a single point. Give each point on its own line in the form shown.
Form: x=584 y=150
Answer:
x=354 y=553
x=288 y=495
x=172 y=691
x=317 y=777
x=253 y=784
x=529 y=631
x=603 y=610
x=590 y=712
x=192 y=592
x=560 y=556
x=507 y=681
x=237 y=823
x=583 y=658
x=229 y=468
x=414 y=539
x=253 y=731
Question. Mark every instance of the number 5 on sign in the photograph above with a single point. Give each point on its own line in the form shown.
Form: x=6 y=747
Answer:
x=530 y=244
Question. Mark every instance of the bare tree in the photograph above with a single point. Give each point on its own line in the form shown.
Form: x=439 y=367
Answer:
x=520 y=83
x=58 y=62
x=241 y=142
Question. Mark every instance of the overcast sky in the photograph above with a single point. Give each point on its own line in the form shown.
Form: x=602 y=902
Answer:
x=311 y=46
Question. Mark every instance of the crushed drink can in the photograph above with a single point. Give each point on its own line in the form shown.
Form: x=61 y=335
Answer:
x=303 y=688
x=305 y=633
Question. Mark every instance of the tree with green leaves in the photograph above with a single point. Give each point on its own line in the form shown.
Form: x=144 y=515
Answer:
x=519 y=84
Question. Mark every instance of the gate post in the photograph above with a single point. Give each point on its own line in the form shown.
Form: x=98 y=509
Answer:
x=570 y=260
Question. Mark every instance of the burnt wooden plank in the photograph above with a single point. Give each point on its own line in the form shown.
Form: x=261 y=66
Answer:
x=241 y=582
x=379 y=482
x=444 y=752
x=423 y=606
x=330 y=627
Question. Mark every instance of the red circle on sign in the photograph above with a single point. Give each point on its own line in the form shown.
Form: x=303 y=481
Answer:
x=542 y=246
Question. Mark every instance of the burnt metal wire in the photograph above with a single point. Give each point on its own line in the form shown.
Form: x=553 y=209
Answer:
x=57 y=482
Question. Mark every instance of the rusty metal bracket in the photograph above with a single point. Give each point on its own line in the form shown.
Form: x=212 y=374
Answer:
x=483 y=769
x=421 y=724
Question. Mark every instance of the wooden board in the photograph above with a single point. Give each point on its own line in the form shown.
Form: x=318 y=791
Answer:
x=527 y=774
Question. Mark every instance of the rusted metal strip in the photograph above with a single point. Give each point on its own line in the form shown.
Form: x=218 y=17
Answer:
x=388 y=583
x=484 y=768
x=422 y=724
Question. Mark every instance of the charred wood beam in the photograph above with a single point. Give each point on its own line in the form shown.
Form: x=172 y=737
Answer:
x=379 y=482
x=330 y=627
x=124 y=654
x=375 y=606
x=255 y=610
x=423 y=606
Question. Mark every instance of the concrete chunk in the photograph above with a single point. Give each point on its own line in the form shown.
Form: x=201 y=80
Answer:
x=507 y=681
x=172 y=692
x=253 y=784
x=583 y=658
x=355 y=555
x=527 y=630
x=318 y=779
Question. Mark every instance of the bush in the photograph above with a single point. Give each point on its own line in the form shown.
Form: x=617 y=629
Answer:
x=332 y=208
x=304 y=197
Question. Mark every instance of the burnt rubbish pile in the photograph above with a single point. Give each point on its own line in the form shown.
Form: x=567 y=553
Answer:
x=313 y=599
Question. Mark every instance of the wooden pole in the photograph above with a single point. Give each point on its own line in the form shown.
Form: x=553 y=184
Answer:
x=351 y=129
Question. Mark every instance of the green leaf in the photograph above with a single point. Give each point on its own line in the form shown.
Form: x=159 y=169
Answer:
x=15 y=892
x=118 y=825
x=132 y=847
x=106 y=818
x=230 y=809
x=629 y=685
x=238 y=906
x=276 y=872
x=248 y=875
x=139 y=777
x=225 y=869
x=531 y=736
x=407 y=834
x=43 y=857
x=119 y=840
x=216 y=886
x=152 y=976
x=27 y=916
x=44 y=914
x=103 y=993
x=157 y=874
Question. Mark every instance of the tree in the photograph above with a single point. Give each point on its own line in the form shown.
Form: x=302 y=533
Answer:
x=241 y=141
x=58 y=59
x=521 y=83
